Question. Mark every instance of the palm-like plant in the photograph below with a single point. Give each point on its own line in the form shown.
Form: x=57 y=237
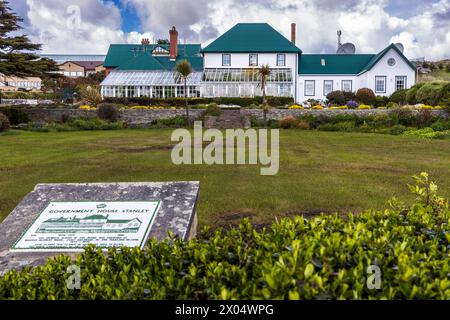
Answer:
x=263 y=75
x=184 y=69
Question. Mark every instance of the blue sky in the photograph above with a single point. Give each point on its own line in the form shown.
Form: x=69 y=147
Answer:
x=89 y=26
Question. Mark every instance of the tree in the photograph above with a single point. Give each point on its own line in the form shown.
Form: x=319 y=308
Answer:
x=16 y=51
x=263 y=75
x=184 y=69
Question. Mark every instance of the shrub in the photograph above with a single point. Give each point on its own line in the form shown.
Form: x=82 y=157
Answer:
x=411 y=93
x=4 y=122
x=108 y=112
x=365 y=96
x=317 y=107
x=78 y=124
x=380 y=101
x=296 y=107
x=364 y=107
x=336 y=97
x=399 y=97
x=392 y=105
x=173 y=122
x=15 y=115
x=346 y=126
x=325 y=257
x=213 y=110
x=426 y=133
x=288 y=122
x=430 y=93
x=349 y=96
x=352 y=104
x=445 y=95
x=398 y=129
x=441 y=125
x=291 y=122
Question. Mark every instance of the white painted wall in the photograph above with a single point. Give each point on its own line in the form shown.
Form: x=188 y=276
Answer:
x=365 y=80
x=401 y=68
x=319 y=83
x=241 y=60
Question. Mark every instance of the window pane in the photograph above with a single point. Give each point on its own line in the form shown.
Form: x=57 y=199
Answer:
x=281 y=59
x=380 y=84
x=400 y=83
x=347 y=85
x=253 y=60
x=226 y=60
x=310 y=87
x=327 y=87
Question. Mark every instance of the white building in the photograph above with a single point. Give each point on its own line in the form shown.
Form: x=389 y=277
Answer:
x=228 y=68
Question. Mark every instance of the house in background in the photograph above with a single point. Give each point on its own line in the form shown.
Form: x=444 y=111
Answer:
x=148 y=70
x=228 y=68
x=76 y=69
x=12 y=83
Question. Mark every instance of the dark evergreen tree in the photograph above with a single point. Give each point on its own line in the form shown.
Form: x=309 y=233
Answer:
x=16 y=51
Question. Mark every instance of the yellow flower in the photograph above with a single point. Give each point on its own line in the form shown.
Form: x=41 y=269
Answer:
x=318 y=107
x=296 y=107
x=364 y=107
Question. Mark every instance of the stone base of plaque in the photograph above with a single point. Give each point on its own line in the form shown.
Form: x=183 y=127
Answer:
x=62 y=218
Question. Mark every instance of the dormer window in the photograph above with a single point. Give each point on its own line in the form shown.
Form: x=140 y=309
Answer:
x=160 y=51
x=226 y=60
x=322 y=62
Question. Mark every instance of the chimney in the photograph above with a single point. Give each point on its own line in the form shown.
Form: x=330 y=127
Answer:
x=173 y=44
x=293 y=33
x=145 y=41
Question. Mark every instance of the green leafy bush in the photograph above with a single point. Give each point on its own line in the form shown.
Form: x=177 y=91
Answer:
x=326 y=257
x=4 y=123
x=213 y=110
x=29 y=95
x=426 y=133
x=397 y=129
x=411 y=93
x=16 y=115
x=74 y=125
x=347 y=126
x=366 y=96
x=430 y=93
x=337 y=97
x=173 y=122
x=108 y=112
x=399 y=97
x=445 y=96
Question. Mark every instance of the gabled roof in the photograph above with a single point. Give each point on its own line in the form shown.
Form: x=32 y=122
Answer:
x=252 y=37
x=139 y=57
x=380 y=55
x=88 y=65
x=344 y=64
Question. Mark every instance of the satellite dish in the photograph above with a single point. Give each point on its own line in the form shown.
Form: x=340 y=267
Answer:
x=400 y=47
x=347 y=48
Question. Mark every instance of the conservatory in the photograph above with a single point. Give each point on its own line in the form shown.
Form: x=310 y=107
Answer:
x=153 y=84
x=245 y=82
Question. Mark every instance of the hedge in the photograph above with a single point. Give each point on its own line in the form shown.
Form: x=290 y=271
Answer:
x=326 y=257
x=180 y=102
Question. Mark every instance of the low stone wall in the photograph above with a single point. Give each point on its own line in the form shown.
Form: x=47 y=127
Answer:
x=278 y=114
x=134 y=118
x=14 y=102
x=144 y=118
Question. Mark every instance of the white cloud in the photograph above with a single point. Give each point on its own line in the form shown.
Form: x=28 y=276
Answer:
x=367 y=23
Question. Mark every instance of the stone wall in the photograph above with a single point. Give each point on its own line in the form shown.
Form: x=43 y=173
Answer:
x=144 y=118
x=278 y=114
x=134 y=118
x=14 y=102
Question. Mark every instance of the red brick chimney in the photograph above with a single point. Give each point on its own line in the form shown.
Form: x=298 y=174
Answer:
x=145 y=41
x=293 y=33
x=173 y=44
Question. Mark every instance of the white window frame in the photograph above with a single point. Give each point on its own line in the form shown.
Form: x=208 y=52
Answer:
x=325 y=82
x=343 y=82
x=313 y=88
x=223 y=60
x=253 y=63
x=380 y=78
x=405 y=82
x=278 y=60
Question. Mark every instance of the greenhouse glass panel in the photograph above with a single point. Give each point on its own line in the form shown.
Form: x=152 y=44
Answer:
x=244 y=75
x=149 y=78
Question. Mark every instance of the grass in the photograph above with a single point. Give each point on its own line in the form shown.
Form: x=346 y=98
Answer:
x=435 y=75
x=319 y=171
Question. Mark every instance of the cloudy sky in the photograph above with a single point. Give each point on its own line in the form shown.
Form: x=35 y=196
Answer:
x=89 y=26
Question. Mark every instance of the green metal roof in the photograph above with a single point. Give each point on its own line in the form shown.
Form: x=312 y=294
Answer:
x=342 y=64
x=252 y=37
x=380 y=55
x=334 y=63
x=139 y=57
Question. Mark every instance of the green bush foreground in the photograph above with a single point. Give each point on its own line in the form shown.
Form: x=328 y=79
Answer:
x=321 y=258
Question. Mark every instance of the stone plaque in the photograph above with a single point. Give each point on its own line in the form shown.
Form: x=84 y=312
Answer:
x=62 y=218
x=70 y=226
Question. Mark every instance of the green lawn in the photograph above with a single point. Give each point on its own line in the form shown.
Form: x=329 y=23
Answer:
x=319 y=171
